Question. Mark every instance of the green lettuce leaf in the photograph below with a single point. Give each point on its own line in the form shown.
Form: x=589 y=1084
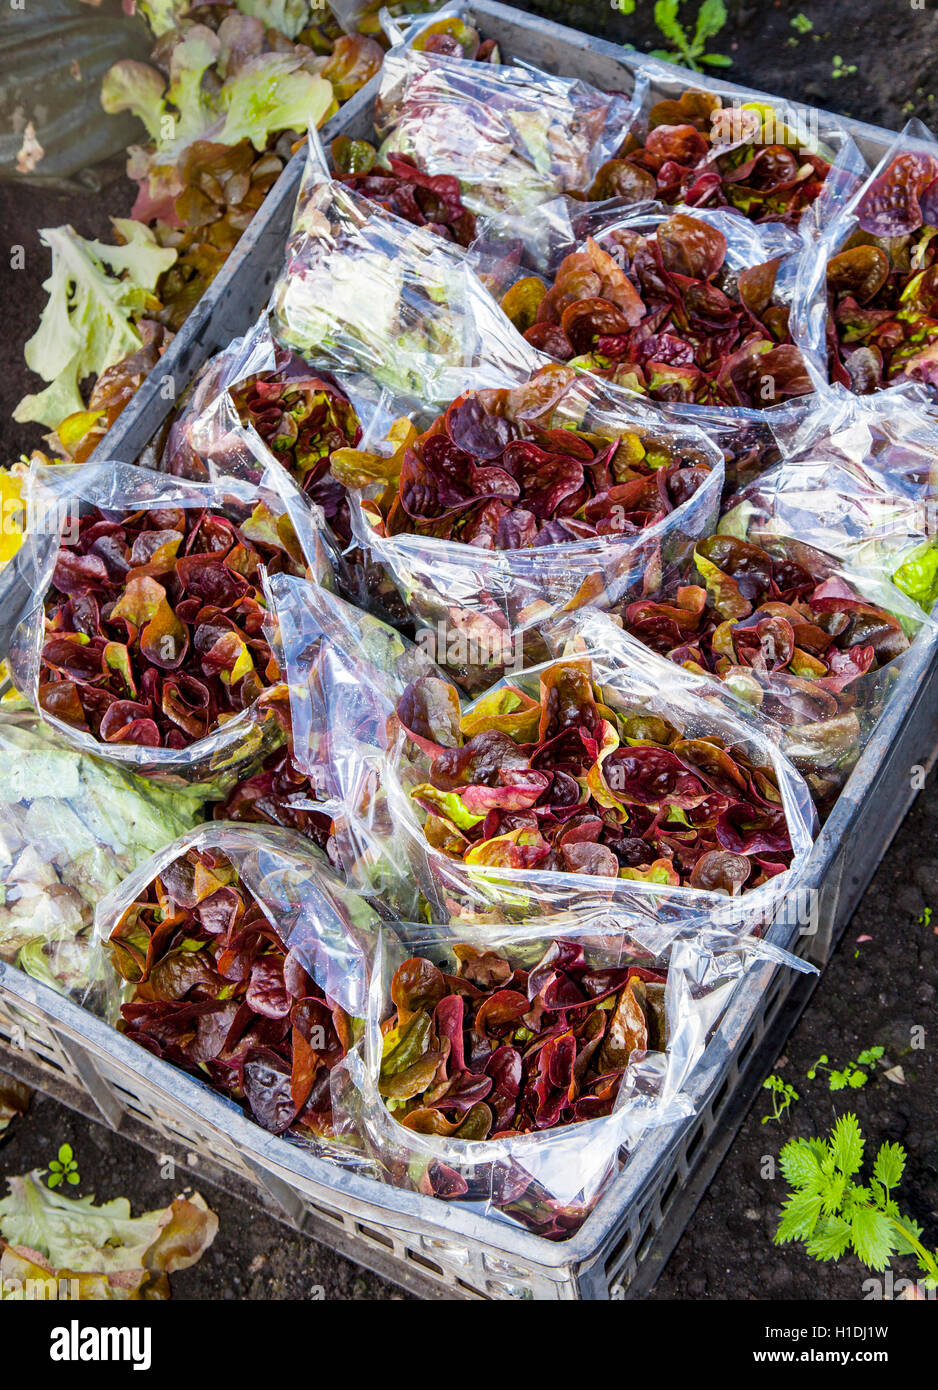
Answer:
x=113 y=1253
x=94 y=290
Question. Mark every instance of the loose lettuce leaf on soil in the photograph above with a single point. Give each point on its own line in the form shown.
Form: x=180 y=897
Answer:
x=79 y=434
x=95 y=291
x=238 y=82
x=47 y=1237
x=661 y=315
x=599 y=793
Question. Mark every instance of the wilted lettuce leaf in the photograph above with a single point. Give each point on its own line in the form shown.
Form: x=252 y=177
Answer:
x=95 y=291
x=112 y=1254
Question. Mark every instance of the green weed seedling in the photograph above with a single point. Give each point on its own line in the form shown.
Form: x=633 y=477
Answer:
x=782 y=1096
x=852 y=1075
x=64 y=1168
x=841 y=69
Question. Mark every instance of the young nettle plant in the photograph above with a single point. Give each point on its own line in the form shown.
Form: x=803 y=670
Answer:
x=852 y=1074
x=830 y=1212
x=689 y=48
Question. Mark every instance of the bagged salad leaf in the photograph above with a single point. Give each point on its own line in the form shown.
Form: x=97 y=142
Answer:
x=278 y=793
x=815 y=646
x=149 y=642
x=396 y=182
x=364 y=292
x=606 y=785
x=858 y=478
x=299 y=415
x=868 y=306
x=513 y=137
x=768 y=160
x=254 y=390
x=522 y=502
x=514 y=1070
x=237 y=955
x=685 y=308
x=71 y=828
x=400 y=187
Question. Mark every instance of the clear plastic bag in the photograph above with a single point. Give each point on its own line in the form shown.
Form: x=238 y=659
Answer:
x=687 y=306
x=71 y=828
x=865 y=300
x=814 y=646
x=279 y=950
x=365 y=293
x=272 y=513
x=482 y=602
x=347 y=678
x=768 y=158
x=480 y=1075
x=858 y=478
x=346 y=669
x=515 y=137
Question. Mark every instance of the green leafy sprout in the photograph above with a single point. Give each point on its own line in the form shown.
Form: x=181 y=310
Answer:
x=782 y=1096
x=852 y=1075
x=830 y=1213
x=802 y=24
x=841 y=69
x=64 y=1168
x=711 y=18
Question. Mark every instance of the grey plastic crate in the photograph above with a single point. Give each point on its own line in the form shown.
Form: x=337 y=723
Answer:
x=434 y=1248
x=441 y=1249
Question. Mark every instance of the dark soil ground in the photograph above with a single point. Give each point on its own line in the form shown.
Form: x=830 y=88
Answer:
x=880 y=985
